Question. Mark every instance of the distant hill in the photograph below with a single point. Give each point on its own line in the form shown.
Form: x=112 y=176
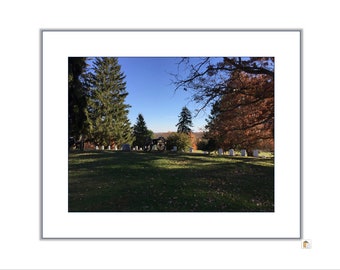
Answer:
x=198 y=135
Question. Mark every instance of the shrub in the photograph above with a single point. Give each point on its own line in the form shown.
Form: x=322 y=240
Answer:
x=208 y=145
x=181 y=140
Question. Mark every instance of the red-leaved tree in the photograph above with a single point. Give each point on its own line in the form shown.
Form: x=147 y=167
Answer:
x=241 y=91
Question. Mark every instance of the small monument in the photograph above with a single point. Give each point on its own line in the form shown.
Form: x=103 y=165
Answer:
x=231 y=152
x=126 y=147
x=244 y=153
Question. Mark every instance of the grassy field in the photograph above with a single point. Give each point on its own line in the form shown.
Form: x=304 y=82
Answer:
x=115 y=181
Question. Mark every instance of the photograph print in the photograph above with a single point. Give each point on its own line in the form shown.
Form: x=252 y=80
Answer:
x=171 y=134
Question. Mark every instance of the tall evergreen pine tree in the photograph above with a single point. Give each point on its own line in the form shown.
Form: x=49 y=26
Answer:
x=185 y=121
x=141 y=132
x=107 y=112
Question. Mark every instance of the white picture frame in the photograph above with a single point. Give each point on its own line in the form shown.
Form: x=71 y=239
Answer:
x=58 y=45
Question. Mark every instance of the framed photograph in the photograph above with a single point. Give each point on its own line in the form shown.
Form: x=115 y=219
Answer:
x=175 y=134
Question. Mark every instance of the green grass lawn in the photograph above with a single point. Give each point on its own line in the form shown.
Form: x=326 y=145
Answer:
x=115 y=181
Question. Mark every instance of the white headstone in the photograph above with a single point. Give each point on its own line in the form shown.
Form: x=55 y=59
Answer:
x=231 y=152
x=256 y=153
x=116 y=147
x=109 y=147
x=174 y=148
x=220 y=151
x=244 y=153
x=191 y=149
x=103 y=147
x=97 y=148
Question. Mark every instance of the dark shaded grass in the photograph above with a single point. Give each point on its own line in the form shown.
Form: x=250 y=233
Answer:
x=114 y=181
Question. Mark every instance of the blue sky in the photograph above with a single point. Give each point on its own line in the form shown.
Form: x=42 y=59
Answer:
x=152 y=93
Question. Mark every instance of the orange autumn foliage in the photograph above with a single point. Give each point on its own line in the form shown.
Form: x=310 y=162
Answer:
x=244 y=116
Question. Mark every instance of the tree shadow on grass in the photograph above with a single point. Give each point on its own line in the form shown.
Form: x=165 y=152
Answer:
x=158 y=182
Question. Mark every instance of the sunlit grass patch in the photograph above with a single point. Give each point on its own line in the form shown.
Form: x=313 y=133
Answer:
x=116 y=181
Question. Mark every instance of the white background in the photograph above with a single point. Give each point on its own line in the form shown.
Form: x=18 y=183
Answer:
x=21 y=247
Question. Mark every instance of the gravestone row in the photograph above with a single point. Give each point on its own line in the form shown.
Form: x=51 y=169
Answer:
x=231 y=152
x=243 y=152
